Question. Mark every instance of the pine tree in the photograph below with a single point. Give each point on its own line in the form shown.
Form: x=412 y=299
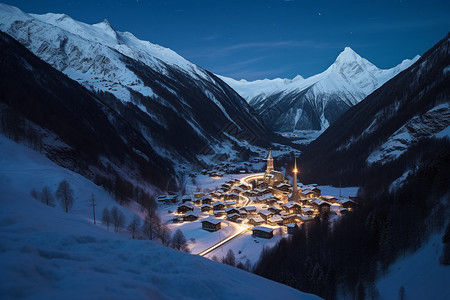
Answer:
x=179 y=241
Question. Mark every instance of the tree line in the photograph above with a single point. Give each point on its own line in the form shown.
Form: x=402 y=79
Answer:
x=361 y=246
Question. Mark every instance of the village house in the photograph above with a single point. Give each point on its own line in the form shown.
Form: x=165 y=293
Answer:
x=250 y=209
x=231 y=210
x=219 y=205
x=206 y=199
x=275 y=220
x=235 y=218
x=328 y=198
x=220 y=213
x=184 y=208
x=211 y=224
x=206 y=208
x=293 y=207
x=233 y=196
x=190 y=216
x=348 y=204
x=256 y=221
x=265 y=214
x=263 y=232
x=287 y=219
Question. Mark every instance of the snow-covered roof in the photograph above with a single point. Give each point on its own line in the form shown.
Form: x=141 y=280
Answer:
x=258 y=219
x=291 y=225
x=262 y=228
x=265 y=212
x=191 y=213
x=275 y=219
x=212 y=221
x=230 y=209
x=247 y=208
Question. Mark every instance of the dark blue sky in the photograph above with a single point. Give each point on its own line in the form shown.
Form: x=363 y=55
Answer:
x=255 y=39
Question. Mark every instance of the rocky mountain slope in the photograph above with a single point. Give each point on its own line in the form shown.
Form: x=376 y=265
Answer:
x=315 y=102
x=183 y=111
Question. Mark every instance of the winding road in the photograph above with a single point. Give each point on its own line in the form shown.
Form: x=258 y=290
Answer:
x=244 y=227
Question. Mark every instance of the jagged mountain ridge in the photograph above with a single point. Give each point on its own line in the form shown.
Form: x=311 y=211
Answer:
x=315 y=102
x=183 y=111
x=394 y=128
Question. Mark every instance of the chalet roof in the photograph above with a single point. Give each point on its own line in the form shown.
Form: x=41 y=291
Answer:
x=275 y=219
x=291 y=225
x=319 y=202
x=328 y=197
x=265 y=212
x=262 y=228
x=233 y=215
x=258 y=219
x=291 y=204
x=230 y=209
x=247 y=208
x=191 y=213
x=218 y=203
x=304 y=218
x=307 y=209
x=231 y=202
x=233 y=194
x=206 y=205
x=186 y=204
x=345 y=200
x=212 y=221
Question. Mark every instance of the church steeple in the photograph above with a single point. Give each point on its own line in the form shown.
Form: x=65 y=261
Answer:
x=294 y=187
x=269 y=162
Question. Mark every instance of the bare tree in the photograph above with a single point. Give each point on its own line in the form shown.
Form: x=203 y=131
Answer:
x=117 y=218
x=179 y=241
x=163 y=232
x=134 y=226
x=152 y=220
x=65 y=194
x=106 y=218
x=47 y=196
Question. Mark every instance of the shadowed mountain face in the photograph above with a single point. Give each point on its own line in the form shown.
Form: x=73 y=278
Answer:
x=185 y=113
x=393 y=129
x=315 y=102
x=71 y=125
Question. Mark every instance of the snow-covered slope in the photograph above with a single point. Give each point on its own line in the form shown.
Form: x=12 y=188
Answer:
x=419 y=273
x=180 y=108
x=47 y=254
x=315 y=102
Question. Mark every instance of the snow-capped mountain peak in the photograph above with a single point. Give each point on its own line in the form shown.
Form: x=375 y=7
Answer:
x=317 y=101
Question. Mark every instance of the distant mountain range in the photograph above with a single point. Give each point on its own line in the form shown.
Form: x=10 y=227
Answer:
x=186 y=114
x=288 y=105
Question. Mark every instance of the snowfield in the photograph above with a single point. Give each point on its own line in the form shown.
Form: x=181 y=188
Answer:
x=47 y=254
x=419 y=273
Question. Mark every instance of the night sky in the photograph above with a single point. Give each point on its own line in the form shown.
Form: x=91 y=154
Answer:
x=256 y=39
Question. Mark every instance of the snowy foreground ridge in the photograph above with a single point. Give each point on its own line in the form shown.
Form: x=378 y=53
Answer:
x=47 y=254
